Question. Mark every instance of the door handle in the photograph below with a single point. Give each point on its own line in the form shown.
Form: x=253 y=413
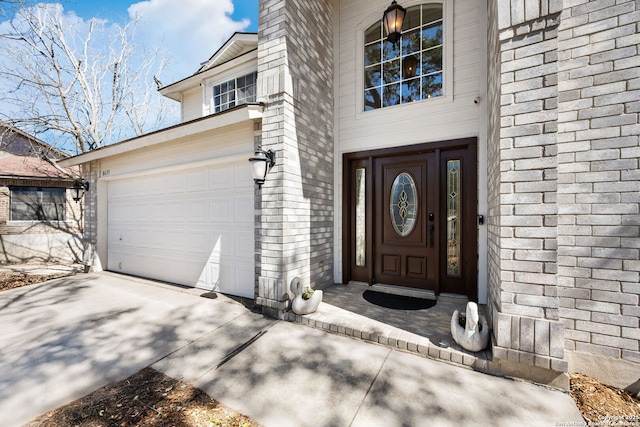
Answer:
x=431 y=228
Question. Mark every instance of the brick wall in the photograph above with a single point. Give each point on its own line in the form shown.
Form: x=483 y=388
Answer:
x=39 y=241
x=523 y=187
x=599 y=177
x=564 y=183
x=295 y=216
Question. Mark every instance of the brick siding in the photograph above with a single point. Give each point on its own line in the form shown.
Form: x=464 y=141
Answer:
x=564 y=175
x=295 y=206
x=599 y=177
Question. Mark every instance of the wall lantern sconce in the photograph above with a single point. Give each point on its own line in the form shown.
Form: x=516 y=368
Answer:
x=392 y=21
x=409 y=66
x=261 y=163
x=79 y=188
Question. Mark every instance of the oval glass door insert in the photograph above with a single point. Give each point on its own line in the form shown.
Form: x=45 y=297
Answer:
x=404 y=204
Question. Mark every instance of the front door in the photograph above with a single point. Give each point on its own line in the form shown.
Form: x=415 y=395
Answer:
x=405 y=249
x=410 y=218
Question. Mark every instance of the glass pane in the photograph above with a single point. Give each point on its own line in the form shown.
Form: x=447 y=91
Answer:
x=453 y=218
x=431 y=35
x=403 y=204
x=411 y=90
x=431 y=12
x=410 y=66
x=432 y=60
x=373 y=33
x=432 y=86
x=372 y=99
x=390 y=50
x=411 y=19
x=372 y=76
x=372 y=54
x=410 y=42
x=391 y=95
x=361 y=242
x=391 y=71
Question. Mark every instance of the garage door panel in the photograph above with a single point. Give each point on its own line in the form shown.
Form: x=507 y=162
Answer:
x=192 y=227
x=198 y=211
x=197 y=181
x=221 y=209
x=244 y=210
x=244 y=246
x=240 y=173
x=176 y=183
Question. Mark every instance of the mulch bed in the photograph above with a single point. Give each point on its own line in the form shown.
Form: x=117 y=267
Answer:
x=602 y=404
x=12 y=280
x=145 y=399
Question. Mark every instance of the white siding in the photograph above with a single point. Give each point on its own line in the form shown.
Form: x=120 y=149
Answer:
x=192 y=104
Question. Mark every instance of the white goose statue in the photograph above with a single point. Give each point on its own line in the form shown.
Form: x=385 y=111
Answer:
x=474 y=336
x=299 y=305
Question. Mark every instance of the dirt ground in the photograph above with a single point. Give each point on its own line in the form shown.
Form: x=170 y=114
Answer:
x=151 y=399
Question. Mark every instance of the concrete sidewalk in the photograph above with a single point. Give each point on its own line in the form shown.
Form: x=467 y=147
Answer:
x=67 y=337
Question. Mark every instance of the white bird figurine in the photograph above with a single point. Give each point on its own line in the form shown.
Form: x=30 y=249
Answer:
x=306 y=301
x=475 y=335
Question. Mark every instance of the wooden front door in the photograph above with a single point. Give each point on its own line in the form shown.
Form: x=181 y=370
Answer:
x=405 y=250
x=410 y=217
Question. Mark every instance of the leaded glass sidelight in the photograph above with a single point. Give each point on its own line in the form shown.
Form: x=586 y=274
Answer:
x=403 y=204
x=453 y=218
x=361 y=242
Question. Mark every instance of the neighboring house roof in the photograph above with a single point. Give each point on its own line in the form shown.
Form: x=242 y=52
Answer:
x=20 y=143
x=234 y=49
x=12 y=166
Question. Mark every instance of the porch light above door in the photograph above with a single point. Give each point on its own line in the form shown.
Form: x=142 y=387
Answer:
x=392 y=21
x=261 y=163
x=78 y=189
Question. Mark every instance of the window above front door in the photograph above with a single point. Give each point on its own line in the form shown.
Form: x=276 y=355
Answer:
x=411 y=69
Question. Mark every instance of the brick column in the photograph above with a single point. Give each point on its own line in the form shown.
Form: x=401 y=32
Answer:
x=523 y=189
x=295 y=216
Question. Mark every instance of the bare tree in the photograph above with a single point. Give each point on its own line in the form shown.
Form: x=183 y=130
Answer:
x=78 y=85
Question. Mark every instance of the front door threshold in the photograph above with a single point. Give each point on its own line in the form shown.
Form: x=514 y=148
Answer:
x=400 y=290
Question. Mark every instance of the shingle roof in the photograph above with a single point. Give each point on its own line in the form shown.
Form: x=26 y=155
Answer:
x=30 y=167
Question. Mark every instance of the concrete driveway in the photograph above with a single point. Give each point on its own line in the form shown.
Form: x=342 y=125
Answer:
x=65 y=338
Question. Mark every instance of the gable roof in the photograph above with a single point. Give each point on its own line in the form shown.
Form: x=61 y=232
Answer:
x=238 y=44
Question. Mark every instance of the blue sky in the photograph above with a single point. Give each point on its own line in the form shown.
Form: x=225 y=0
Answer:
x=188 y=31
x=116 y=10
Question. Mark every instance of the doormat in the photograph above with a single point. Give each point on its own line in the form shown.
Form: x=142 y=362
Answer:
x=397 y=302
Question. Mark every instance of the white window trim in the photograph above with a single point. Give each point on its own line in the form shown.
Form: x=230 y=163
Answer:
x=447 y=66
x=208 y=106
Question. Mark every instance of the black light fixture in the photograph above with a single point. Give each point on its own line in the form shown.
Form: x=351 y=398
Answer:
x=78 y=189
x=392 y=21
x=409 y=66
x=261 y=162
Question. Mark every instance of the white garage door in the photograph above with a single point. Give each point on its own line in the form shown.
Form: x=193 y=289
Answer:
x=192 y=227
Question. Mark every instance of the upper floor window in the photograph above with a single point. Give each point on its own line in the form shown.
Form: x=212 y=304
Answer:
x=409 y=70
x=235 y=92
x=37 y=203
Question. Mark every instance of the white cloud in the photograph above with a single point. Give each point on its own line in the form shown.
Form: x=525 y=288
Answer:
x=188 y=31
